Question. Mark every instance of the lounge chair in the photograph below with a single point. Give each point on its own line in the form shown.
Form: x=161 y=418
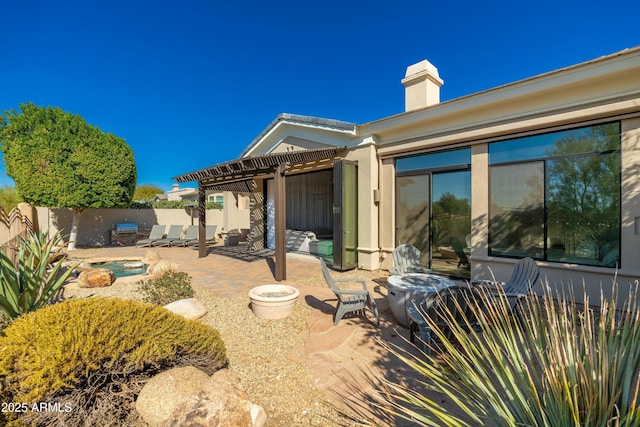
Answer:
x=524 y=275
x=175 y=231
x=350 y=300
x=157 y=233
x=209 y=237
x=406 y=259
x=189 y=235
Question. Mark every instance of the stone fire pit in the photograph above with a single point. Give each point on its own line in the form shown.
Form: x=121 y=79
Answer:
x=273 y=301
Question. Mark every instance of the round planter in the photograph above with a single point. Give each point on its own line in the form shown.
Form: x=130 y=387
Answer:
x=273 y=301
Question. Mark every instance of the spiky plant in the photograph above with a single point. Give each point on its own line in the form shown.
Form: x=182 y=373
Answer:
x=29 y=282
x=562 y=363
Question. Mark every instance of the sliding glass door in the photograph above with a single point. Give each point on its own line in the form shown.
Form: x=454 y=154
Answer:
x=433 y=209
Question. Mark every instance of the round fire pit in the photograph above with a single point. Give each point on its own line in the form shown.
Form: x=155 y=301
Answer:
x=273 y=301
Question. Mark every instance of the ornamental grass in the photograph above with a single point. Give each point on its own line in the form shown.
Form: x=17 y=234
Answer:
x=558 y=362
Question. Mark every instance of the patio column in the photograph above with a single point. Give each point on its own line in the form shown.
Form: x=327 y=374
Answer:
x=281 y=222
x=202 y=221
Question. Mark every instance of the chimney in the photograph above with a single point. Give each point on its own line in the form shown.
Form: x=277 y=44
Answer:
x=422 y=86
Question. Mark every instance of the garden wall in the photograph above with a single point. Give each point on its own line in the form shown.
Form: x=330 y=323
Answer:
x=96 y=224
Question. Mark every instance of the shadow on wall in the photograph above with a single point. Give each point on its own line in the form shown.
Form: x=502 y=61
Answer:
x=96 y=224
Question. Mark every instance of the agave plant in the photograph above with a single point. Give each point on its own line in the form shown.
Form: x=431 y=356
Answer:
x=561 y=363
x=29 y=282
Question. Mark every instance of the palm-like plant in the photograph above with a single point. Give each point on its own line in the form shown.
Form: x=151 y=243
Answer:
x=29 y=282
x=562 y=364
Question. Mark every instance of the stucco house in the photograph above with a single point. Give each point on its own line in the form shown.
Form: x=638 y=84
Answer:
x=547 y=167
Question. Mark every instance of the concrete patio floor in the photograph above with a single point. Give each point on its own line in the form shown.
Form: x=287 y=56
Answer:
x=339 y=358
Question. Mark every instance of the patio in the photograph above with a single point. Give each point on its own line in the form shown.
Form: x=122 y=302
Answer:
x=331 y=358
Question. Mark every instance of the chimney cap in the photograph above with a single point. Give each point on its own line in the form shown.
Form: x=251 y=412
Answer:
x=420 y=71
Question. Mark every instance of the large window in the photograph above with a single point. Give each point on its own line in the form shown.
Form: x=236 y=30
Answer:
x=556 y=196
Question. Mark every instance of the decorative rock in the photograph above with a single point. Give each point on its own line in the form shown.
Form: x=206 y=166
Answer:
x=189 y=308
x=164 y=393
x=187 y=396
x=96 y=278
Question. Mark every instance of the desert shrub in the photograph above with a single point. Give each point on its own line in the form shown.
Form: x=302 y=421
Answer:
x=562 y=363
x=96 y=354
x=167 y=288
x=27 y=283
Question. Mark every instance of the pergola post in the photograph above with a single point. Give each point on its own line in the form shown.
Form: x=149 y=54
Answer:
x=281 y=222
x=202 y=222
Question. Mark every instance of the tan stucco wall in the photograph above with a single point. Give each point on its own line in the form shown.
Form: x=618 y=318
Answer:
x=479 y=206
x=368 y=250
x=96 y=224
x=387 y=211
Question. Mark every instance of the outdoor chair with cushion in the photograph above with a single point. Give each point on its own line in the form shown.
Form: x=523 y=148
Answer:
x=451 y=304
x=189 y=235
x=406 y=259
x=174 y=233
x=157 y=233
x=524 y=275
x=350 y=301
x=209 y=237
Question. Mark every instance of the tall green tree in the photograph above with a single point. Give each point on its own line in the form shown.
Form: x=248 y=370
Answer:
x=9 y=198
x=58 y=160
x=146 y=192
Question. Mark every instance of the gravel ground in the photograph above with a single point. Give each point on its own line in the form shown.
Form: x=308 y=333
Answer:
x=268 y=356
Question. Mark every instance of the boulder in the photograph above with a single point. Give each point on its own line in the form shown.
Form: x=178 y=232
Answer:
x=96 y=278
x=162 y=394
x=189 y=308
x=188 y=396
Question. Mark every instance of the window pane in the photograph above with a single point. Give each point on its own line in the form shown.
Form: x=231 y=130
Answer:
x=592 y=139
x=435 y=160
x=584 y=210
x=412 y=213
x=516 y=213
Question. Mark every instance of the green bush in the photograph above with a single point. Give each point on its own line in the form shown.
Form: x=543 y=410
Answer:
x=98 y=353
x=563 y=363
x=171 y=286
x=29 y=282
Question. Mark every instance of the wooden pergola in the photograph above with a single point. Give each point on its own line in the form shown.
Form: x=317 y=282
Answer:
x=239 y=176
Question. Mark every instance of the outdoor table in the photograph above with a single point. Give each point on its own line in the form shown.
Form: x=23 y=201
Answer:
x=406 y=288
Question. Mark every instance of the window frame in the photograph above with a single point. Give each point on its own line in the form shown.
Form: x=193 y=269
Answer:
x=546 y=179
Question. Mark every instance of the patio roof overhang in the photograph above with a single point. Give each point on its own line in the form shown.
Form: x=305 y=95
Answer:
x=239 y=176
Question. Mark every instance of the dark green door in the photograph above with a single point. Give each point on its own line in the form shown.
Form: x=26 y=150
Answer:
x=345 y=214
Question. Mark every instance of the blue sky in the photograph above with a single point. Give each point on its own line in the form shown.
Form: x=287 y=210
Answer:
x=189 y=84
